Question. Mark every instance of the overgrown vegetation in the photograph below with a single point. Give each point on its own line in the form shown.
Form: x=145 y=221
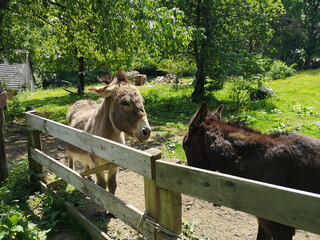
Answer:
x=34 y=216
x=279 y=69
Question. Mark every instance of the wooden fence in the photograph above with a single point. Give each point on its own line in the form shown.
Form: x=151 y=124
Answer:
x=164 y=182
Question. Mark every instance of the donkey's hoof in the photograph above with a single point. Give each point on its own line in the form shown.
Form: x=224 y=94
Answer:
x=110 y=215
x=101 y=214
x=104 y=215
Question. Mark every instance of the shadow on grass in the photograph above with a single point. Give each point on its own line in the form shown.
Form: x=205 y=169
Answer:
x=164 y=104
x=175 y=107
x=156 y=141
x=58 y=101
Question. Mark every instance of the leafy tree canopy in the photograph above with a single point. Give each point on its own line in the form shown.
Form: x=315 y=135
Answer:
x=227 y=35
x=112 y=35
x=307 y=14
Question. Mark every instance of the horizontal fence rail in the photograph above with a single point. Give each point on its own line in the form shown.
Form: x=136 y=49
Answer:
x=291 y=207
x=127 y=213
x=114 y=152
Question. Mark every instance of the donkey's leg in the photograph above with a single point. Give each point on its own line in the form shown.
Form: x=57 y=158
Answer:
x=101 y=180
x=100 y=176
x=277 y=231
x=87 y=167
x=112 y=183
x=262 y=234
x=112 y=179
x=71 y=160
x=282 y=232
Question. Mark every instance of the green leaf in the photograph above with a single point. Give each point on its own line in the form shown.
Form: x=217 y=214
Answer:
x=18 y=228
x=3 y=234
x=14 y=219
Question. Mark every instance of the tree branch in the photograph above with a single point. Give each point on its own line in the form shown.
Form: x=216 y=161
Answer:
x=31 y=16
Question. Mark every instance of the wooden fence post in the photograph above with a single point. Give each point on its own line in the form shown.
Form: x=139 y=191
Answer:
x=3 y=162
x=33 y=136
x=151 y=192
x=163 y=205
x=170 y=210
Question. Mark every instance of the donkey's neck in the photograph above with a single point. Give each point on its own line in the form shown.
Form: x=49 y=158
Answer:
x=104 y=123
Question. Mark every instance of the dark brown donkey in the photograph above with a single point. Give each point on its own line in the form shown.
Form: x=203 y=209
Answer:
x=121 y=111
x=289 y=160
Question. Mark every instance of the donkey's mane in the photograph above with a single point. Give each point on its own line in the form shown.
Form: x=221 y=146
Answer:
x=212 y=122
x=119 y=77
x=122 y=77
x=238 y=130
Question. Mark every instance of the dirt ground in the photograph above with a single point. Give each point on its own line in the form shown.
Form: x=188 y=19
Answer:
x=210 y=222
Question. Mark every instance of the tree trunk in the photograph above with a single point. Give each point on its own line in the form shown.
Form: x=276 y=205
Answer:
x=198 y=92
x=81 y=75
x=307 y=63
x=3 y=8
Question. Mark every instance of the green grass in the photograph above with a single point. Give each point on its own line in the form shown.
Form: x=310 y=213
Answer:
x=295 y=106
x=52 y=103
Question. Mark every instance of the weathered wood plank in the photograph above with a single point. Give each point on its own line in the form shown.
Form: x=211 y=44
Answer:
x=55 y=184
x=125 y=212
x=93 y=231
x=3 y=161
x=34 y=140
x=170 y=211
x=127 y=157
x=151 y=195
x=287 y=206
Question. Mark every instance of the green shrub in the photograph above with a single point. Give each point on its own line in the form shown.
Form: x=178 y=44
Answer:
x=181 y=66
x=14 y=222
x=17 y=183
x=15 y=109
x=241 y=88
x=279 y=69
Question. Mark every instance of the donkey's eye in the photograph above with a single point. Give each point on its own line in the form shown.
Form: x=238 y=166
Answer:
x=125 y=104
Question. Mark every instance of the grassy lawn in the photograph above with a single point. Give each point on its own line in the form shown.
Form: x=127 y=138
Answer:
x=294 y=107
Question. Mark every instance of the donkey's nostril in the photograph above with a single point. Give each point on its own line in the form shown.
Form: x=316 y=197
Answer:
x=146 y=131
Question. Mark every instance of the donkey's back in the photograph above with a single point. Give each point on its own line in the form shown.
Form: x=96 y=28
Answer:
x=300 y=155
x=80 y=113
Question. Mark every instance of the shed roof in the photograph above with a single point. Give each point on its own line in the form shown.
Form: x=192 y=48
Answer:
x=12 y=75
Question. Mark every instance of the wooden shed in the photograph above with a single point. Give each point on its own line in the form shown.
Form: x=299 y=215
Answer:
x=17 y=76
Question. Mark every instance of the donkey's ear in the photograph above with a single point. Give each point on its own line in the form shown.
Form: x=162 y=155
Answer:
x=104 y=91
x=199 y=116
x=217 y=112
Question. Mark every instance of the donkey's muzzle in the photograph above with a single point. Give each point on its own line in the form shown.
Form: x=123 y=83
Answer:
x=144 y=131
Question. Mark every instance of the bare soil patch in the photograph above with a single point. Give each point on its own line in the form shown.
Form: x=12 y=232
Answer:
x=211 y=222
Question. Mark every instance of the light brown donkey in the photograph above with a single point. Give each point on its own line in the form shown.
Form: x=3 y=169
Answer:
x=122 y=111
